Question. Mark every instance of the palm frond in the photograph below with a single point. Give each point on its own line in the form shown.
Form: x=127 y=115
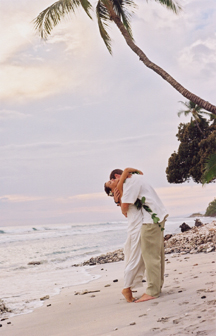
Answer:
x=195 y=110
x=186 y=112
x=210 y=169
x=53 y=14
x=121 y=8
x=103 y=17
x=170 y=4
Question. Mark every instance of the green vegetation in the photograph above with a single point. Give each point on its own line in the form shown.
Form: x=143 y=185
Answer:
x=197 y=146
x=120 y=13
x=209 y=169
x=211 y=210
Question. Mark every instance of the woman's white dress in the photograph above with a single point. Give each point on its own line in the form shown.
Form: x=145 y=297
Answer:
x=134 y=264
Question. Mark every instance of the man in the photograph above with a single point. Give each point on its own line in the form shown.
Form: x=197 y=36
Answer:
x=152 y=242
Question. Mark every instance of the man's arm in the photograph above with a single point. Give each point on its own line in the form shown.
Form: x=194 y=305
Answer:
x=124 y=208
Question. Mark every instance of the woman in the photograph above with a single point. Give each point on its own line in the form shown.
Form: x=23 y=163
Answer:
x=134 y=264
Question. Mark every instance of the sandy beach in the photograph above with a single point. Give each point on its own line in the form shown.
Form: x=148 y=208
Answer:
x=186 y=306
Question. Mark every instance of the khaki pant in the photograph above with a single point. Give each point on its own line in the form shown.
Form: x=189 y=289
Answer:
x=152 y=245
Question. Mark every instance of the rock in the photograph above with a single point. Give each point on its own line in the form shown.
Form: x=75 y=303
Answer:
x=46 y=297
x=198 y=222
x=109 y=257
x=3 y=308
x=210 y=249
x=195 y=240
x=132 y=323
x=184 y=227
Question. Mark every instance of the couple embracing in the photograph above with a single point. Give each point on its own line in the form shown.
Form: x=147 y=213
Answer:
x=144 y=247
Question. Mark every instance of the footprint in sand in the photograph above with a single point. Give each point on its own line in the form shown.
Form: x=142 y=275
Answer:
x=155 y=303
x=163 y=319
x=183 y=303
x=212 y=302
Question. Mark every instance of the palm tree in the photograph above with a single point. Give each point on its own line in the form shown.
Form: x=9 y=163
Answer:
x=196 y=112
x=119 y=12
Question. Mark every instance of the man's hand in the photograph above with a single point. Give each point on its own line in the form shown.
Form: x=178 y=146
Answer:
x=116 y=195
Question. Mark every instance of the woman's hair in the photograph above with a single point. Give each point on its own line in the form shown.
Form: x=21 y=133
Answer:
x=108 y=190
x=115 y=171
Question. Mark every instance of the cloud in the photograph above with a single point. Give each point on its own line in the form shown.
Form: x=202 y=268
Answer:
x=99 y=142
x=29 y=82
x=30 y=68
x=93 y=196
x=12 y=114
x=20 y=198
x=200 y=53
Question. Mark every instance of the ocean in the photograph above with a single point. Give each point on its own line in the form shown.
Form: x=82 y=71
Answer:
x=57 y=248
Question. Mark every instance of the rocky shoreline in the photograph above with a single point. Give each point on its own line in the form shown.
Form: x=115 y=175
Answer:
x=197 y=239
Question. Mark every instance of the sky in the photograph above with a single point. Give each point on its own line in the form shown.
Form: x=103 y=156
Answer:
x=70 y=112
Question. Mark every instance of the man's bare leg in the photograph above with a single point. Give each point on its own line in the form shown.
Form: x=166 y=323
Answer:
x=145 y=297
x=128 y=294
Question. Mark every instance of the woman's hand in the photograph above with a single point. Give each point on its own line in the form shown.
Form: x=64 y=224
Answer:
x=117 y=195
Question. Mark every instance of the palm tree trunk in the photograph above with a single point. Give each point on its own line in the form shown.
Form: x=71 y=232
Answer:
x=184 y=92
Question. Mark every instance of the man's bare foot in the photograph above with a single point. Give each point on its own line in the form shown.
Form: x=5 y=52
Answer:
x=145 y=297
x=128 y=294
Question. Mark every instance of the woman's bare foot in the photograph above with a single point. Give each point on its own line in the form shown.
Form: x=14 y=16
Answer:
x=145 y=297
x=128 y=294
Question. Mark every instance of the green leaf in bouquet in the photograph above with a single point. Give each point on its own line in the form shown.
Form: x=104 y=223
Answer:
x=138 y=204
x=156 y=220
x=146 y=207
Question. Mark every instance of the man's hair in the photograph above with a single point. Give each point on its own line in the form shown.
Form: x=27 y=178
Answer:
x=115 y=171
x=107 y=190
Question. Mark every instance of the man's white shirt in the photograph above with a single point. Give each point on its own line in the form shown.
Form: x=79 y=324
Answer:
x=136 y=187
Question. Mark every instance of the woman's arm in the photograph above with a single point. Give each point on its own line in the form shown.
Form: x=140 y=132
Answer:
x=124 y=175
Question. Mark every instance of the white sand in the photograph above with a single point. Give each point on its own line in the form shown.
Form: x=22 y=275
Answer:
x=179 y=311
